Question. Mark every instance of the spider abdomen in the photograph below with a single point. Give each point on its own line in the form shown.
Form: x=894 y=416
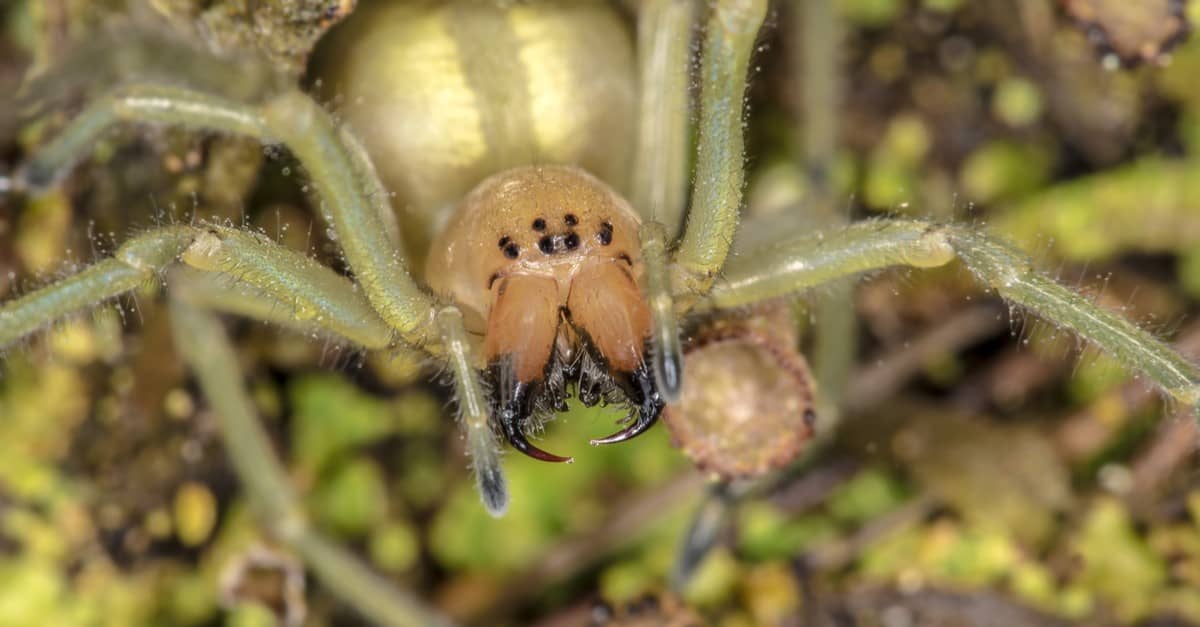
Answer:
x=445 y=94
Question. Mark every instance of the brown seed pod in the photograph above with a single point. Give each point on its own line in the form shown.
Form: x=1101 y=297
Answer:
x=747 y=401
x=1136 y=32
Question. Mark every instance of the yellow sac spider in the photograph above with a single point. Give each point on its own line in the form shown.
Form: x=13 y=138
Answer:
x=478 y=192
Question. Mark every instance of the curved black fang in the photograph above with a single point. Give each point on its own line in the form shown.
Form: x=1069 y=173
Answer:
x=513 y=408
x=640 y=389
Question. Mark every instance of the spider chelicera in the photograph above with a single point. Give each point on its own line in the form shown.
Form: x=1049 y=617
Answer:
x=525 y=271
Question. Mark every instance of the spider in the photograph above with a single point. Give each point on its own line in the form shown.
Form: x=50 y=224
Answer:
x=523 y=269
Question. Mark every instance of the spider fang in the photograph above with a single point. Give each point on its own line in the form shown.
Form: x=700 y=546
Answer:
x=639 y=387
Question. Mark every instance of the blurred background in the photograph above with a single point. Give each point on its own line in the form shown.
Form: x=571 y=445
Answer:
x=986 y=469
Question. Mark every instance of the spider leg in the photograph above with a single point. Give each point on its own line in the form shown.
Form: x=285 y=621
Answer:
x=660 y=167
x=264 y=268
x=666 y=352
x=352 y=198
x=729 y=38
x=205 y=347
x=280 y=284
x=473 y=412
x=135 y=263
x=354 y=202
x=818 y=258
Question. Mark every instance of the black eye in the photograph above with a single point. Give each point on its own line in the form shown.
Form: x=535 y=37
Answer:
x=606 y=233
x=512 y=251
x=570 y=219
x=572 y=241
x=504 y=241
x=539 y=224
x=546 y=245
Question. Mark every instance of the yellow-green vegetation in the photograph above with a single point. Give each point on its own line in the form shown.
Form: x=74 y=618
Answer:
x=999 y=466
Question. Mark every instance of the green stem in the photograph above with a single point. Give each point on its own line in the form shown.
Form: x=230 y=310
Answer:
x=206 y=349
x=834 y=347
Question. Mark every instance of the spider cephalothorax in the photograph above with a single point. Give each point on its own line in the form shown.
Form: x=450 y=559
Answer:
x=545 y=262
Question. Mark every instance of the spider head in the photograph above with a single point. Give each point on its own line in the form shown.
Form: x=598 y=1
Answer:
x=545 y=263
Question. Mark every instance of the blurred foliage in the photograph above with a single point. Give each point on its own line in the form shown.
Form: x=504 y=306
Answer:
x=1007 y=479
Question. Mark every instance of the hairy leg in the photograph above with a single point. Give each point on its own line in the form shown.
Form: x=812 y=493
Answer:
x=730 y=33
x=666 y=352
x=352 y=198
x=661 y=167
x=482 y=445
x=292 y=285
x=819 y=258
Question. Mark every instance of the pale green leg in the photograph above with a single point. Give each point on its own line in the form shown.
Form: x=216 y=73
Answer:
x=729 y=37
x=225 y=294
x=351 y=197
x=818 y=258
x=482 y=445
x=660 y=166
x=291 y=287
x=308 y=293
x=666 y=351
x=297 y=287
x=206 y=349
x=135 y=263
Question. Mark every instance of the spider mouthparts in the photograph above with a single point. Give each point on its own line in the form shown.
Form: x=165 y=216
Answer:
x=639 y=426
x=514 y=409
x=640 y=389
x=511 y=423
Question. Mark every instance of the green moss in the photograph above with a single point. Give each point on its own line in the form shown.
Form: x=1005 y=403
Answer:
x=765 y=533
x=1116 y=563
x=332 y=416
x=870 y=493
x=352 y=498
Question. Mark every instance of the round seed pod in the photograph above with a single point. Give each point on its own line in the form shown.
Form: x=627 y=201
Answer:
x=746 y=406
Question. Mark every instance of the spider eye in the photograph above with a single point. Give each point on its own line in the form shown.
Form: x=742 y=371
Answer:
x=570 y=219
x=606 y=234
x=511 y=250
x=539 y=224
